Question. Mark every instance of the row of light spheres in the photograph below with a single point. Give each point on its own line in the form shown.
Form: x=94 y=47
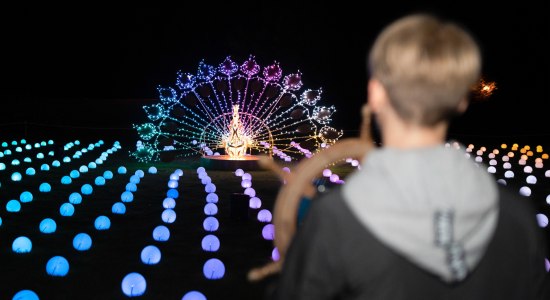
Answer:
x=194 y=117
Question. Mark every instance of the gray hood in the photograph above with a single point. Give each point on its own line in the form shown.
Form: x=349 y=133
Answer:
x=434 y=206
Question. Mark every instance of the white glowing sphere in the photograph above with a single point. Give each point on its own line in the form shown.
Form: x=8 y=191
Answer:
x=169 y=203
x=254 y=203
x=172 y=184
x=179 y=172
x=133 y=284
x=168 y=215
x=239 y=172
x=479 y=159
x=334 y=178
x=152 y=170
x=542 y=220
x=246 y=183
x=16 y=176
x=327 y=172
x=548 y=199
x=491 y=170
x=250 y=192
x=493 y=162
x=509 y=174
x=528 y=169
x=275 y=256
x=531 y=179
x=491 y=155
x=522 y=162
x=264 y=216
x=547 y=173
x=525 y=191
x=247 y=176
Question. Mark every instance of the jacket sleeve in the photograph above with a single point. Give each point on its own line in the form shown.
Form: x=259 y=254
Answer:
x=311 y=269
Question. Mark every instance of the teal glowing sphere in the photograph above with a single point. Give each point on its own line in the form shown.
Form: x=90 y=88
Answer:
x=150 y=255
x=75 y=198
x=25 y=295
x=127 y=196
x=15 y=162
x=7 y=152
x=51 y=153
x=82 y=242
x=161 y=233
x=50 y=142
x=193 y=295
x=45 y=187
x=118 y=208
x=92 y=165
x=47 y=226
x=57 y=266
x=18 y=149
x=30 y=171
x=13 y=206
x=99 y=161
x=4 y=144
x=56 y=163
x=99 y=180
x=86 y=189
x=16 y=176
x=45 y=167
x=27 y=159
x=66 y=209
x=83 y=169
x=102 y=223
x=28 y=147
x=66 y=180
x=108 y=175
x=213 y=269
x=133 y=284
x=25 y=197
x=121 y=170
x=74 y=174
x=40 y=155
x=2 y=166
x=66 y=159
x=21 y=244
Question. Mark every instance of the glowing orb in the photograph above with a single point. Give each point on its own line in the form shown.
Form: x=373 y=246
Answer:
x=210 y=243
x=200 y=170
x=21 y=244
x=509 y=174
x=275 y=256
x=86 y=189
x=47 y=226
x=57 y=266
x=210 y=209
x=250 y=192
x=210 y=224
x=542 y=220
x=169 y=203
x=127 y=196
x=152 y=170
x=264 y=215
x=121 y=170
x=246 y=183
x=268 y=232
x=140 y=173
x=74 y=174
x=135 y=179
x=239 y=172
x=255 y=203
x=30 y=171
x=502 y=181
x=83 y=169
x=212 y=198
x=246 y=176
x=174 y=176
x=102 y=223
x=25 y=197
x=131 y=187
x=213 y=269
x=172 y=193
x=193 y=295
x=82 y=242
x=16 y=176
x=133 y=284
x=168 y=216
x=161 y=233
x=75 y=198
x=206 y=180
x=525 y=191
x=26 y=295
x=172 y=184
x=150 y=255
x=56 y=163
x=108 y=175
x=13 y=206
x=118 y=208
x=66 y=209
x=491 y=170
x=66 y=159
x=99 y=180
x=92 y=165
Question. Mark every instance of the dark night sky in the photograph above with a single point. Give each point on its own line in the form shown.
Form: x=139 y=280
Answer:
x=101 y=64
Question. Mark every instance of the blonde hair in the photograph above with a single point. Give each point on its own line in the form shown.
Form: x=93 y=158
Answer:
x=427 y=67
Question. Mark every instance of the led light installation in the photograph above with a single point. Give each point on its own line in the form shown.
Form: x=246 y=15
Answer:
x=235 y=110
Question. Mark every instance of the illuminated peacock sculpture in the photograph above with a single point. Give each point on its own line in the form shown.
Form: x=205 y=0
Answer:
x=235 y=110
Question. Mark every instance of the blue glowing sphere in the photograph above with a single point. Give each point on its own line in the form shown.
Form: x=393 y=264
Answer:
x=206 y=180
x=82 y=242
x=30 y=171
x=212 y=198
x=268 y=232
x=210 y=209
x=56 y=163
x=246 y=176
x=213 y=269
x=239 y=172
x=66 y=180
x=210 y=188
x=250 y=192
x=135 y=179
x=161 y=233
x=140 y=173
x=255 y=203
x=150 y=255
x=66 y=209
x=245 y=183
x=121 y=170
x=210 y=243
x=25 y=295
x=45 y=167
x=75 y=198
x=210 y=224
x=174 y=176
x=83 y=169
x=25 y=197
x=127 y=196
x=0 y=221
x=169 y=203
x=99 y=180
x=133 y=284
x=200 y=170
x=66 y=159
x=16 y=176
x=108 y=175
x=168 y=216
x=131 y=187
x=47 y=225
x=172 y=193
x=92 y=165
x=45 y=187
x=57 y=266
x=265 y=216
x=193 y=295
x=40 y=155
x=86 y=189
x=21 y=244
x=99 y=161
x=27 y=159
x=13 y=206
x=102 y=223
x=118 y=208
x=275 y=256
x=172 y=184
x=179 y=172
x=74 y=174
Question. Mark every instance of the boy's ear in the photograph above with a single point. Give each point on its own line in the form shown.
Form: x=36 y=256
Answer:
x=377 y=96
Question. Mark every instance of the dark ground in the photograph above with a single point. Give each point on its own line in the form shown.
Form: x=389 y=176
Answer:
x=98 y=272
